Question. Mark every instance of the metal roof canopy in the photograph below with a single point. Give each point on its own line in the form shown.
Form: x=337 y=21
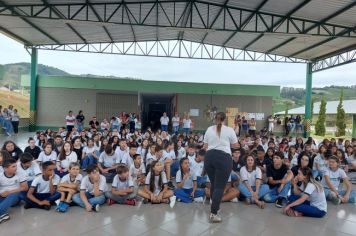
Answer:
x=298 y=31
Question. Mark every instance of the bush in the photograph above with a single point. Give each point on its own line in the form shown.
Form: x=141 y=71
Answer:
x=320 y=123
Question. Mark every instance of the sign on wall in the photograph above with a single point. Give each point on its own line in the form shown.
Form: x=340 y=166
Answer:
x=194 y=112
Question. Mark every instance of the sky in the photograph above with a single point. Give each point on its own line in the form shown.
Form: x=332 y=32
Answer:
x=185 y=70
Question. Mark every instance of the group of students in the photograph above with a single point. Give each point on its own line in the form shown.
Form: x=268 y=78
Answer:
x=91 y=168
x=9 y=120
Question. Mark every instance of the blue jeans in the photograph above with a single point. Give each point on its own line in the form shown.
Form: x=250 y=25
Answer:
x=91 y=199
x=264 y=189
x=186 y=130
x=352 y=198
x=42 y=196
x=176 y=129
x=184 y=194
x=87 y=161
x=164 y=127
x=201 y=180
x=115 y=127
x=174 y=168
x=234 y=177
x=273 y=193
x=80 y=127
x=306 y=208
x=119 y=199
x=9 y=201
x=7 y=125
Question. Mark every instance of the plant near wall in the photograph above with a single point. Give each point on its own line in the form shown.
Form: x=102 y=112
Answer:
x=320 y=123
x=340 y=117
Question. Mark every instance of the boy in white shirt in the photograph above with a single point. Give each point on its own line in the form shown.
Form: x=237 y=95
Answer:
x=107 y=163
x=11 y=185
x=92 y=190
x=28 y=167
x=122 y=191
x=43 y=191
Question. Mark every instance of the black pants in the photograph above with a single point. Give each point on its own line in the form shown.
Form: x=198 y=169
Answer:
x=15 y=125
x=218 y=165
x=70 y=128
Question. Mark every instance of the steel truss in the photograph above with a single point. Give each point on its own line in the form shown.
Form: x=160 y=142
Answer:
x=173 y=49
x=334 y=61
x=200 y=15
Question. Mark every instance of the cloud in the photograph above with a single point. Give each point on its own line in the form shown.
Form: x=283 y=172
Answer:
x=187 y=70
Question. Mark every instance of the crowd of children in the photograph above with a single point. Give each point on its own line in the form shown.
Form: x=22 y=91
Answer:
x=90 y=168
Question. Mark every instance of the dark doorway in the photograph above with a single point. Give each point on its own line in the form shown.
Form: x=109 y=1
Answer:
x=153 y=106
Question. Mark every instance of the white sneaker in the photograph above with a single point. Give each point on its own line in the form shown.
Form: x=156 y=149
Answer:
x=211 y=201
x=96 y=208
x=199 y=200
x=172 y=201
x=4 y=217
x=214 y=218
x=234 y=200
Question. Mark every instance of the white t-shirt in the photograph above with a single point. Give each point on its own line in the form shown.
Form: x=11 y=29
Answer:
x=335 y=177
x=43 y=157
x=222 y=143
x=323 y=164
x=127 y=159
x=42 y=186
x=31 y=172
x=188 y=183
x=67 y=179
x=71 y=158
x=171 y=154
x=89 y=150
x=88 y=186
x=164 y=120
x=181 y=153
x=11 y=183
x=141 y=151
x=120 y=153
x=316 y=199
x=187 y=123
x=250 y=177
x=197 y=167
x=150 y=157
x=108 y=161
x=134 y=172
x=118 y=184
x=70 y=120
x=1 y=170
x=191 y=158
x=175 y=121
x=294 y=161
x=158 y=188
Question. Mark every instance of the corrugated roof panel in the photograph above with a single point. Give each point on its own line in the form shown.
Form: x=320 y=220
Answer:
x=120 y=33
x=217 y=38
x=21 y=2
x=240 y=40
x=280 y=6
x=347 y=18
x=267 y=42
x=251 y=4
x=194 y=36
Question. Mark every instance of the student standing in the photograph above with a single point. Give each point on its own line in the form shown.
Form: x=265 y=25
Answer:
x=218 y=141
x=80 y=121
x=15 y=120
x=175 y=123
x=164 y=122
x=70 y=121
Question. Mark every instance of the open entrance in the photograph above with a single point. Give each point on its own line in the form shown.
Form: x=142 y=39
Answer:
x=153 y=106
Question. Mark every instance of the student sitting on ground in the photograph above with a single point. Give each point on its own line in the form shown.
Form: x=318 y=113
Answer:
x=43 y=191
x=230 y=194
x=28 y=167
x=156 y=189
x=65 y=158
x=187 y=190
x=251 y=186
x=331 y=181
x=47 y=154
x=122 y=191
x=279 y=177
x=197 y=167
x=12 y=184
x=90 y=155
x=69 y=186
x=107 y=163
x=92 y=190
x=32 y=148
x=138 y=171
x=309 y=198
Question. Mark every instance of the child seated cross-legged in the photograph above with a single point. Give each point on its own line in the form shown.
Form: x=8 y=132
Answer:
x=92 y=190
x=43 y=191
x=230 y=193
x=138 y=171
x=122 y=191
x=28 y=167
x=308 y=198
x=107 y=163
x=69 y=186
x=12 y=184
x=187 y=190
x=156 y=190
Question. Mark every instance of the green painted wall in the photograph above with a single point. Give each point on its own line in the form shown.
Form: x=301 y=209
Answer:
x=156 y=86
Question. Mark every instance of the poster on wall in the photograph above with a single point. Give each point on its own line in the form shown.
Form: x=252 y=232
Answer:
x=194 y=112
x=256 y=116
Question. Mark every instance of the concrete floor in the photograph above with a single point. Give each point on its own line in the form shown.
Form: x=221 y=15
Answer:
x=183 y=219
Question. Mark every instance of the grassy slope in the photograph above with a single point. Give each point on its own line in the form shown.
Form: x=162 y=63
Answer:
x=20 y=102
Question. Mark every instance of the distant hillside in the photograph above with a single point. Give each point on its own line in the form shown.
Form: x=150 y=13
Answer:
x=10 y=74
x=295 y=97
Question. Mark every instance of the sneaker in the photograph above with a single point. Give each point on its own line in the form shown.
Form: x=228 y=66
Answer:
x=172 y=201
x=199 y=200
x=60 y=205
x=47 y=208
x=210 y=201
x=335 y=200
x=235 y=200
x=110 y=202
x=171 y=186
x=130 y=202
x=26 y=206
x=145 y=201
x=4 y=217
x=65 y=206
x=279 y=202
x=96 y=208
x=214 y=218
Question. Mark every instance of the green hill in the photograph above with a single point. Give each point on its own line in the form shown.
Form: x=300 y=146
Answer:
x=10 y=74
x=295 y=97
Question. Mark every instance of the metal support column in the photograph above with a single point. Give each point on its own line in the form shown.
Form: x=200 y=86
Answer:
x=354 y=126
x=33 y=90
x=308 y=93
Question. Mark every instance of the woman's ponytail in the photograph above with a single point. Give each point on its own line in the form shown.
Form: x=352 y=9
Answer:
x=219 y=119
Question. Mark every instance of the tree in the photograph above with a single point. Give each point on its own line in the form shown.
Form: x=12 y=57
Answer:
x=320 y=123
x=340 y=117
x=313 y=99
